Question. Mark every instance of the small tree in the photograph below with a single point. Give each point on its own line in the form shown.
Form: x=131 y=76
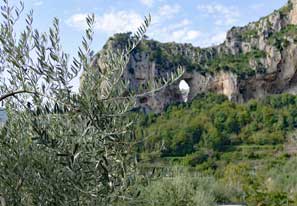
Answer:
x=59 y=147
x=178 y=187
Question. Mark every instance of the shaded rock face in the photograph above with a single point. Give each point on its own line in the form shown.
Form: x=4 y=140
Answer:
x=254 y=61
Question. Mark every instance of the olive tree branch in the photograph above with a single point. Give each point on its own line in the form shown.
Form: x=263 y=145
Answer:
x=3 y=97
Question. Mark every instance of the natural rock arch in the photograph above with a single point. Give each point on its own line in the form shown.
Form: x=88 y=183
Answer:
x=268 y=70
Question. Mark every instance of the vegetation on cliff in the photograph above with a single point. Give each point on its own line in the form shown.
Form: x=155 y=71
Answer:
x=243 y=62
x=208 y=60
x=282 y=39
x=238 y=64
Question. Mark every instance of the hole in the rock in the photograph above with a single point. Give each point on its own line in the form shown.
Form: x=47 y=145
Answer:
x=184 y=89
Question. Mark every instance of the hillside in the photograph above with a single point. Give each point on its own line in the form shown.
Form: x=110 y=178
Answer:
x=250 y=148
x=248 y=144
x=254 y=61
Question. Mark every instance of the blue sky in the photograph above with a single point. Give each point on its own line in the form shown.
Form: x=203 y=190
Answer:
x=200 y=22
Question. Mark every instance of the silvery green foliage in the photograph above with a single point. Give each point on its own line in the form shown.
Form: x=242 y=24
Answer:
x=177 y=188
x=58 y=147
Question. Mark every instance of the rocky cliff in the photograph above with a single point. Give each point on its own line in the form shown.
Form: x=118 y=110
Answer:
x=254 y=61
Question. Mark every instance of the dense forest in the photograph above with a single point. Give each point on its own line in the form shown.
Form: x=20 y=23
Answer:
x=247 y=147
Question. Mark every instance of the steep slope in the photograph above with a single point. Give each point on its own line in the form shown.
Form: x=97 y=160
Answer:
x=254 y=61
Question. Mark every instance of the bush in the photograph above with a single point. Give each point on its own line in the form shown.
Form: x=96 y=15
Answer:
x=267 y=137
x=196 y=158
x=180 y=189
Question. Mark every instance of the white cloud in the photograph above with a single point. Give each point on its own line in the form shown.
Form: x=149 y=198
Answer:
x=148 y=3
x=257 y=6
x=218 y=38
x=168 y=11
x=164 y=30
x=183 y=23
x=77 y=20
x=122 y=21
x=185 y=35
x=111 y=22
x=38 y=3
x=223 y=15
x=180 y=32
x=213 y=39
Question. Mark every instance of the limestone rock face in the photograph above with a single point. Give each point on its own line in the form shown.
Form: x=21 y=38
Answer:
x=293 y=14
x=254 y=61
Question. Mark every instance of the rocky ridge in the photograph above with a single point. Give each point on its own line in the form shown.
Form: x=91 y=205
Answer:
x=256 y=60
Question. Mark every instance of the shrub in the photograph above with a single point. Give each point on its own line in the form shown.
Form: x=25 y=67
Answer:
x=179 y=189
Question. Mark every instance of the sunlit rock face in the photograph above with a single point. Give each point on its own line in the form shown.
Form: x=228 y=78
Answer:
x=293 y=14
x=226 y=84
x=256 y=60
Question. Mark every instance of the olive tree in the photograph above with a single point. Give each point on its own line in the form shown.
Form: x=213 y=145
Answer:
x=59 y=147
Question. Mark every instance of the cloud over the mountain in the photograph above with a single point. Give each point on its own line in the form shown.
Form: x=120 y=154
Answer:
x=223 y=15
x=110 y=22
x=185 y=35
x=148 y=3
x=217 y=38
x=165 y=27
x=168 y=11
x=162 y=27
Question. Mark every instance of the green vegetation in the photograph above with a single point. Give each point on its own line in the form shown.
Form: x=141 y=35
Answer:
x=170 y=55
x=282 y=39
x=285 y=10
x=60 y=147
x=247 y=35
x=238 y=64
x=213 y=122
x=179 y=188
x=240 y=144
